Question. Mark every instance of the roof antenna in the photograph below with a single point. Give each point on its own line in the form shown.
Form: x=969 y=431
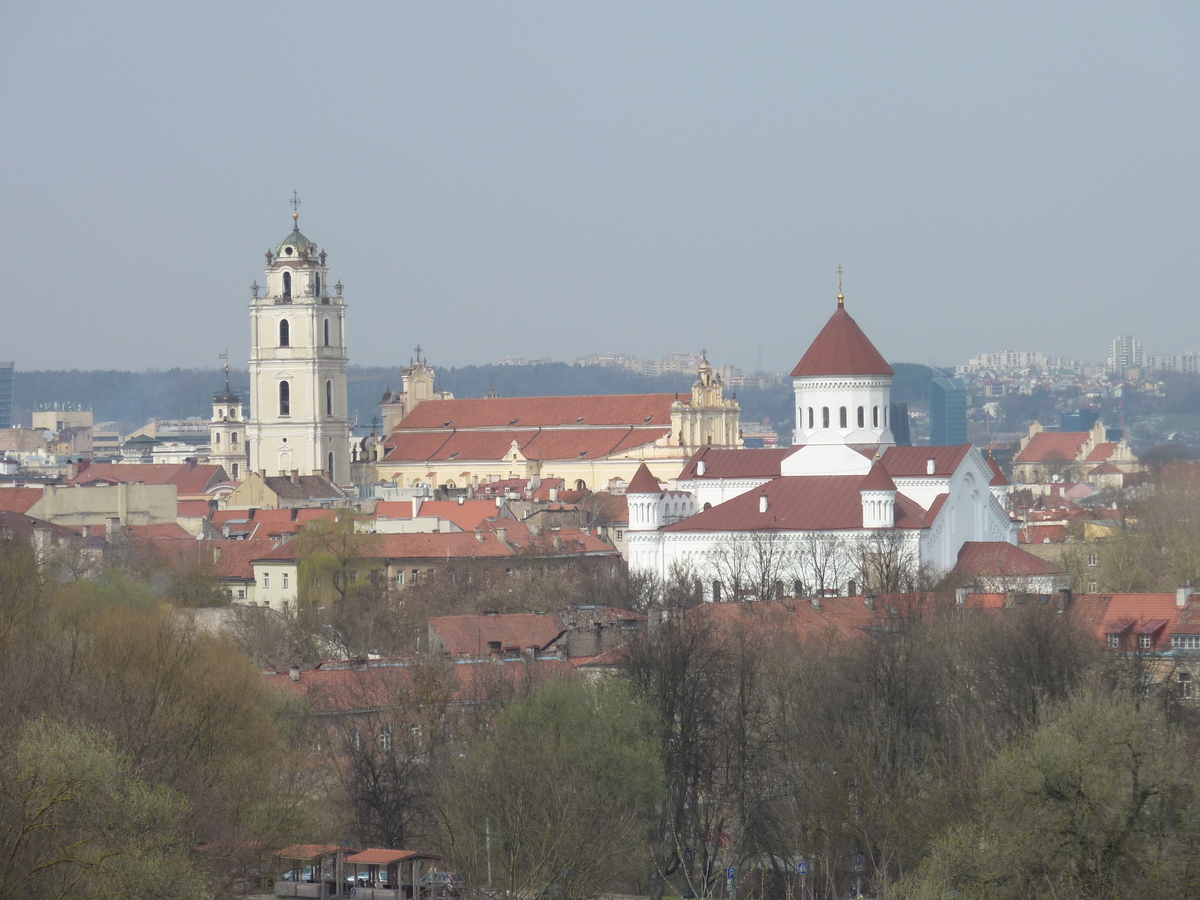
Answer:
x=841 y=296
x=295 y=201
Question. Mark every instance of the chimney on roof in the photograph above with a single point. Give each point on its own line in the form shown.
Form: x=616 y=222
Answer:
x=815 y=601
x=502 y=534
x=499 y=501
x=295 y=476
x=762 y=503
x=461 y=499
x=1182 y=594
x=491 y=612
x=960 y=596
x=701 y=467
x=869 y=602
x=225 y=530
x=416 y=505
x=931 y=467
x=294 y=673
x=190 y=462
x=1064 y=599
x=73 y=470
x=553 y=495
x=479 y=534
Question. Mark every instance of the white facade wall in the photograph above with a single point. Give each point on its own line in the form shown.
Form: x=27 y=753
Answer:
x=315 y=428
x=869 y=393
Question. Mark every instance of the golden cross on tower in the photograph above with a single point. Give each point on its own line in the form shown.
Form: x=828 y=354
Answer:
x=295 y=201
x=225 y=356
x=841 y=296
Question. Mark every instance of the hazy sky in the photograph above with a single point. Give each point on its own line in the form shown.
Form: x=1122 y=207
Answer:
x=556 y=179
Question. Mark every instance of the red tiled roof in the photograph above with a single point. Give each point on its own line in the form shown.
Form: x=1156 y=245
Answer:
x=1043 y=534
x=570 y=443
x=393 y=509
x=1105 y=468
x=912 y=462
x=1053 y=446
x=998 y=478
x=1119 y=626
x=535 y=412
x=749 y=463
x=470 y=635
x=379 y=857
x=465 y=515
x=841 y=349
x=233 y=557
x=1001 y=558
x=877 y=479
x=307 y=851
x=643 y=482
x=812 y=503
x=1125 y=610
x=1101 y=452
x=189 y=480
x=169 y=531
x=193 y=509
x=20 y=499
x=837 y=617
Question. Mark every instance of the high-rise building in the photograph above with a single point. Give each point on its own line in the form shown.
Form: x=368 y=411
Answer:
x=6 y=393
x=1126 y=354
x=298 y=407
x=947 y=412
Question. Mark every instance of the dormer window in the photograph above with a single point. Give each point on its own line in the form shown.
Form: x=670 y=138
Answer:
x=285 y=334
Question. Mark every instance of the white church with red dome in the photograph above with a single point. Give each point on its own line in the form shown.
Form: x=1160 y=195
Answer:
x=843 y=510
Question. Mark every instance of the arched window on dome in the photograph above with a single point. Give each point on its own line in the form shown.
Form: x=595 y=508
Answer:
x=326 y=332
x=287 y=285
x=285 y=333
x=824 y=416
x=875 y=417
x=862 y=416
x=285 y=399
x=842 y=417
x=329 y=398
x=810 y=418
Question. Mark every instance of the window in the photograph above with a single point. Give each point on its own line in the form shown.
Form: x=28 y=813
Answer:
x=1185 y=642
x=326 y=332
x=217 y=438
x=1092 y=587
x=1145 y=641
x=716 y=591
x=285 y=399
x=241 y=593
x=317 y=282
x=862 y=417
x=385 y=738
x=824 y=416
x=620 y=534
x=329 y=398
x=1184 y=680
x=287 y=285
x=331 y=466
x=875 y=417
x=400 y=577
x=852 y=588
x=810 y=418
x=842 y=417
x=416 y=575
x=285 y=580
x=235 y=471
x=285 y=333
x=1114 y=642
x=266 y=580
x=355 y=738
x=885 y=417
x=233 y=438
x=1093 y=560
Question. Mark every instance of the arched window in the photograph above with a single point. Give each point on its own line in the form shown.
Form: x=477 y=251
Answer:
x=810 y=418
x=285 y=333
x=824 y=416
x=329 y=398
x=235 y=471
x=842 y=417
x=875 y=417
x=862 y=417
x=885 y=417
x=317 y=282
x=852 y=588
x=233 y=438
x=716 y=591
x=326 y=332
x=217 y=438
x=330 y=470
x=285 y=399
x=580 y=485
x=287 y=285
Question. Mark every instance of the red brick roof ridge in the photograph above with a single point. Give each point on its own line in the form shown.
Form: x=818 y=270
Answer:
x=841 y=348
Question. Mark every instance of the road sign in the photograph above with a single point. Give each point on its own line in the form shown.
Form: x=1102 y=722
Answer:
x=801 y=868
x=730 y=872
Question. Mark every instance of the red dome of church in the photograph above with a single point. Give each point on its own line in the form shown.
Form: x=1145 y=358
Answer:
x=841 y=349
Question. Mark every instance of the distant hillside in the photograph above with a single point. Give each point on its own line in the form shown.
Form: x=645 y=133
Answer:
x=133 y=398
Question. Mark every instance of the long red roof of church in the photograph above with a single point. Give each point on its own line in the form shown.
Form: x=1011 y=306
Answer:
x=841 y=349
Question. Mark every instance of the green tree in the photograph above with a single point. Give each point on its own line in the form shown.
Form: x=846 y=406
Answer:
x=562 y=789
x=76 y=821
x=1100 y=802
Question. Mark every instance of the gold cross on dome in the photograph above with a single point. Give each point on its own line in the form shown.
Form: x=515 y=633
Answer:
x=295 y=201
x=841 y=296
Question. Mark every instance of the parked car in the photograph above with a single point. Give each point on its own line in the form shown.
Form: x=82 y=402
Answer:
x=443 y=884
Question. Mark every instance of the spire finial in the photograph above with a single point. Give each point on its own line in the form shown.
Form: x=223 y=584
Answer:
x=295 y=201
x=841 y=296
x=225 y=356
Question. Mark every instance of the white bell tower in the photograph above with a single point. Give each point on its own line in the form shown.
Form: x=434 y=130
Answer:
x=299 y=419
x=227 y=431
